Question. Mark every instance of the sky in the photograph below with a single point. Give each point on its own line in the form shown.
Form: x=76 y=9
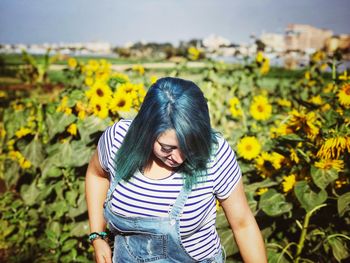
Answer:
x=122 y=21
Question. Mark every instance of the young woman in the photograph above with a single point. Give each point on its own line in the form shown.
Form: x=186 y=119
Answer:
x=155 y=181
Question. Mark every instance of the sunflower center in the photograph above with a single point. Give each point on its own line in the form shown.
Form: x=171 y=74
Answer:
x=268 y=165
x=249 y=147
x=100 y=92
x=261 y=108
x=328 y=165
x=121 y=103
x=347 y=91
x=98 y=107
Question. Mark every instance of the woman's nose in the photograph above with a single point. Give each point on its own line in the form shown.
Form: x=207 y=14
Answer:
x=177 y=157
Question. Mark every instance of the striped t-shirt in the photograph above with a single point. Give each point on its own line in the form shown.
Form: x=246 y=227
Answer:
x=146 y=197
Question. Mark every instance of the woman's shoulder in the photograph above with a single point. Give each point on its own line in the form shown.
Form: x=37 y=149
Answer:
x=119 y=127
x=219 y=143
x=221 y=149
x=115 y=133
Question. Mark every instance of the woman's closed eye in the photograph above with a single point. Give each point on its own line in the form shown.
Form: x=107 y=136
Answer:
x=166 y=150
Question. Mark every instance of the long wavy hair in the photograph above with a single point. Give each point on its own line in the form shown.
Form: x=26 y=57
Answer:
x=170 y=103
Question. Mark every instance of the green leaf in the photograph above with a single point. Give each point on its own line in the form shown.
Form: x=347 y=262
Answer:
x=251 y=201
x=81 y=150
x=55 y=227
x=14 y=120
x=80 y=229
x=251 y=188
x=78 y=208
x=91 y=125
x=30 y=193
x=71 y=197
x=34 y=152
x=339 y=249
x=274 y=203
x=322 y=177
x=57 y=122
x=11 y=174
x=69 y=244
x=344 y=203
x=308 y=198
x=331 y=117
x=221 y=221
x=275 y=256
x=290 y=137
x=227 y=240
x=49 y=168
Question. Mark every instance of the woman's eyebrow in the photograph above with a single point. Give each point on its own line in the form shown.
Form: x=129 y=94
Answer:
x=167 y=145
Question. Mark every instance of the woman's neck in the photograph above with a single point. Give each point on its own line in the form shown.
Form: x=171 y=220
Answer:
x=156 y=169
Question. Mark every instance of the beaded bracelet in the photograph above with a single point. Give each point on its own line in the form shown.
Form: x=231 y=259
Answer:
x=96 y=235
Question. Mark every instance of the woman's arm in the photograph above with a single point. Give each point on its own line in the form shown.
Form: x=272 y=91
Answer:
x=244 y=226
x=96 y=187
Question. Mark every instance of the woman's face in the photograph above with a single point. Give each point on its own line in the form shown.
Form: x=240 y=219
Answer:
x=166 y=148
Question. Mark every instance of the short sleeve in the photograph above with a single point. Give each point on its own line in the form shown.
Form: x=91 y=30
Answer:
x=109 y=143
x=225 y=169
x=104 y=148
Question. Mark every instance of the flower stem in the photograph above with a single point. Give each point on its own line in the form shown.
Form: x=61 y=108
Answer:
x=304 y=231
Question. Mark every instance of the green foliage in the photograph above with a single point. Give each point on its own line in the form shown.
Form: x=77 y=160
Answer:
x=297 y=188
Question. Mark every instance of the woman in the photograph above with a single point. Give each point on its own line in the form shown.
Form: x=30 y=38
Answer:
x=162 y=174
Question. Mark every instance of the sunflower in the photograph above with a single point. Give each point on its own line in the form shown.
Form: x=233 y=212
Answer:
x=249 y=147
x=235 y=108
x=72 y=63
x=63 y=107
x=268 y=163
x=288 y=182
x=284 y=102
x=17 y=156
x=93 y=65
x=72 y=129
x=261 y=108
x=333 y=147
x=121 y=101
x=82 y=109
x=306 y=122
x=261 y=191
x=280 y=130
x=327 y=164
x=89 y=81
x=193 y=53
x=23 y=132
x=344 y=95
x=120 y=77
x=265 y=67
x=294 y=156
x=100 y=109
x=329 y=88
x=263 y=62
x=316 y=100
x=130 y=89
x=153 y=79
x=139 y=68
x=99 y=92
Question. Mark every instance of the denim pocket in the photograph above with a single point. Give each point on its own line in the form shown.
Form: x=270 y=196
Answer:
x=139 y=246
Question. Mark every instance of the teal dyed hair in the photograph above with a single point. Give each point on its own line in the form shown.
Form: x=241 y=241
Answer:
x=170 y=103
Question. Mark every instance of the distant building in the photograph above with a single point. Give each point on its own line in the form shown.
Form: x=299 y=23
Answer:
x=214 y=42
x=341 y=42
x=305 y=38
x=274 y=42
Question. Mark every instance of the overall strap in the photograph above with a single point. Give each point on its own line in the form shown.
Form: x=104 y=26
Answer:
x=179 y=204
x=112 y=185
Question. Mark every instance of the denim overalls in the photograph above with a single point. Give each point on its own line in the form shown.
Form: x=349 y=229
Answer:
x=150 y=239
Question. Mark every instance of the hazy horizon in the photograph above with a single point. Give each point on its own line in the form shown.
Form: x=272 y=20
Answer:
x=119 y=22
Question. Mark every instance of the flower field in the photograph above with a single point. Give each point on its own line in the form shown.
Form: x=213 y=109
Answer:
x=291 y=137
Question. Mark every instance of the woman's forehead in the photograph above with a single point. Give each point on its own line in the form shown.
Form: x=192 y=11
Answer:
x=168 y=138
